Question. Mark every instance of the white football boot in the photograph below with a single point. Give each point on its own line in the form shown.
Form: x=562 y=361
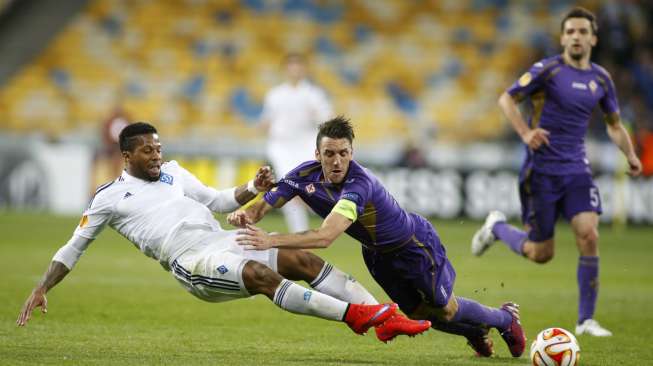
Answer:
x=593 y=328
x=484 y=237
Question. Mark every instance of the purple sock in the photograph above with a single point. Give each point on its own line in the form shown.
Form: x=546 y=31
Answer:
x=510 y=235
x=588 y=286
x=458 y=328
x=469 y=311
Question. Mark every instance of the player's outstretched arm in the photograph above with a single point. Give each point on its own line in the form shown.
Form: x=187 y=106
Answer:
x=55 y=273
x=254 y=238
x=250 y=214
x=620 y=137
x=534 y=138
x=263 y=181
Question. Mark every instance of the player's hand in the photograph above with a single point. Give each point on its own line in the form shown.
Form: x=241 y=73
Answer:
x=254 y=238
x=535 y=138
x=634 y=166
x=264 y=180
x=239 y=219
x=36 y=299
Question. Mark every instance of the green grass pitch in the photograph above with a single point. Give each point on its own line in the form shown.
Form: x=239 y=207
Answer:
x=120 y=308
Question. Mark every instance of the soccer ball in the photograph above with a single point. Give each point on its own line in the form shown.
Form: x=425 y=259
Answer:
x=555 y=347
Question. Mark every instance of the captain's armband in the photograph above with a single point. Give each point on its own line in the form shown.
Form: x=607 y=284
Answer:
x=346 y=208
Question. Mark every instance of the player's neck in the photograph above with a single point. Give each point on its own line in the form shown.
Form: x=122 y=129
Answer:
x=582 y=64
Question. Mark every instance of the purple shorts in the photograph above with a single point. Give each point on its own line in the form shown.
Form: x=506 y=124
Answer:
x=544 y=197
x=417 y=272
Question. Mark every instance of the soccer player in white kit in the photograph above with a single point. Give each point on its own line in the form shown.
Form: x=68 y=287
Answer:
x=165 y=212
x=291 y=114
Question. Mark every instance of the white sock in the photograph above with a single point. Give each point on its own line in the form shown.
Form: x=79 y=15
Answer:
x=336 y=283
x=296 y=216
x=300 y=300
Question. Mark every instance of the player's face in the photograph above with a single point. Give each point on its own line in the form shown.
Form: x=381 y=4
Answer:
x=335 y=155
x=145 y=160
x=577 y=38
x=296 y=70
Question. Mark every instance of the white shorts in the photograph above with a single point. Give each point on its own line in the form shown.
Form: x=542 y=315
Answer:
x=213 y=271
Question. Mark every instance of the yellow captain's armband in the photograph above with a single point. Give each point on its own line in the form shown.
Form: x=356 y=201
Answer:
x=346 y=208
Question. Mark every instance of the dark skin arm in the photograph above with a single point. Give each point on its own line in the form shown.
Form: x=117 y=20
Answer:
x=55 y=273
x=263 y=181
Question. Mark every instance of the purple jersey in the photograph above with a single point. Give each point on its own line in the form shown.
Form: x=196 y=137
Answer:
x=381 y=223
x=563 y=98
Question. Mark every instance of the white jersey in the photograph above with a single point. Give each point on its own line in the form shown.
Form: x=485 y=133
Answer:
x=294 y=112
x=149 y=213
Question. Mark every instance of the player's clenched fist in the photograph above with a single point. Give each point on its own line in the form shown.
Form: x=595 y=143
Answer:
x=535 y=138
x=264 y=180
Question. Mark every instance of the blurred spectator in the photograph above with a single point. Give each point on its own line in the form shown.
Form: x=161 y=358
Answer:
x=291 y=113
x=108 y=162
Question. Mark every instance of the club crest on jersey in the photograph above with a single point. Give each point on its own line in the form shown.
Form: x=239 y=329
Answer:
x=166 y=178
x=593 y=86
x=222 y=269
x=310 y=189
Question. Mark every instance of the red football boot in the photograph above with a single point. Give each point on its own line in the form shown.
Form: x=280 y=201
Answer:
x=514 y=335
x=361 y=317
x=400 y=325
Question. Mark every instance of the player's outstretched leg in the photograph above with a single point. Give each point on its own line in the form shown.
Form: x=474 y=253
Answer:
x=328 y=279
x=495 y=227
x=506 y=320
x=476 y=335
x=260 y=279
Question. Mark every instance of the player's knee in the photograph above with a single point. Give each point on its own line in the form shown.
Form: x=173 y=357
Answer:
x=543 y=255
x=299 y=265
x=260 y=279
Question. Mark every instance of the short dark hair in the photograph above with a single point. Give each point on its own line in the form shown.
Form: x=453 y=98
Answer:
x=128 y=134
x=335 y=128
x=580 y=12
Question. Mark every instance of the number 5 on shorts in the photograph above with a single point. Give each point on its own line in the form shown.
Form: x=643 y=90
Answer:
x=594 y=197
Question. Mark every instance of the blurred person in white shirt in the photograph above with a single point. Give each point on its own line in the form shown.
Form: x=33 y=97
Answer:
x=291 y=113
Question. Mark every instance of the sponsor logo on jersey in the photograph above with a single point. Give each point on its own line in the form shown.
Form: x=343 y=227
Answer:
x=350 y=180
x=525 y=79
x=127 y=195
x=166 y=178
x=579 y=86
x=310 y=189
x=351 y=196
x=593 y=86
x=84 y=221
x=307 y=295
x=290 y=183
x=222 y=269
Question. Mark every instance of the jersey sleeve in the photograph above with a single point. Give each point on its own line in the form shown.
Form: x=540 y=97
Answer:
x=609 y=103
x=95 y=217
x=217 y=201
x=356 y=190
x=279 y=195
x=530 y=82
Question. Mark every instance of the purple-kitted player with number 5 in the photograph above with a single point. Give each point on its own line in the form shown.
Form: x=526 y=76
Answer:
x=556 y=177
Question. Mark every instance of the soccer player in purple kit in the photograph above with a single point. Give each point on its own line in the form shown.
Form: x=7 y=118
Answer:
x=402 y=250
x=556 y=177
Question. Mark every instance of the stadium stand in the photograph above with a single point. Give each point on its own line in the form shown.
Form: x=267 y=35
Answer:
x=405 y=70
